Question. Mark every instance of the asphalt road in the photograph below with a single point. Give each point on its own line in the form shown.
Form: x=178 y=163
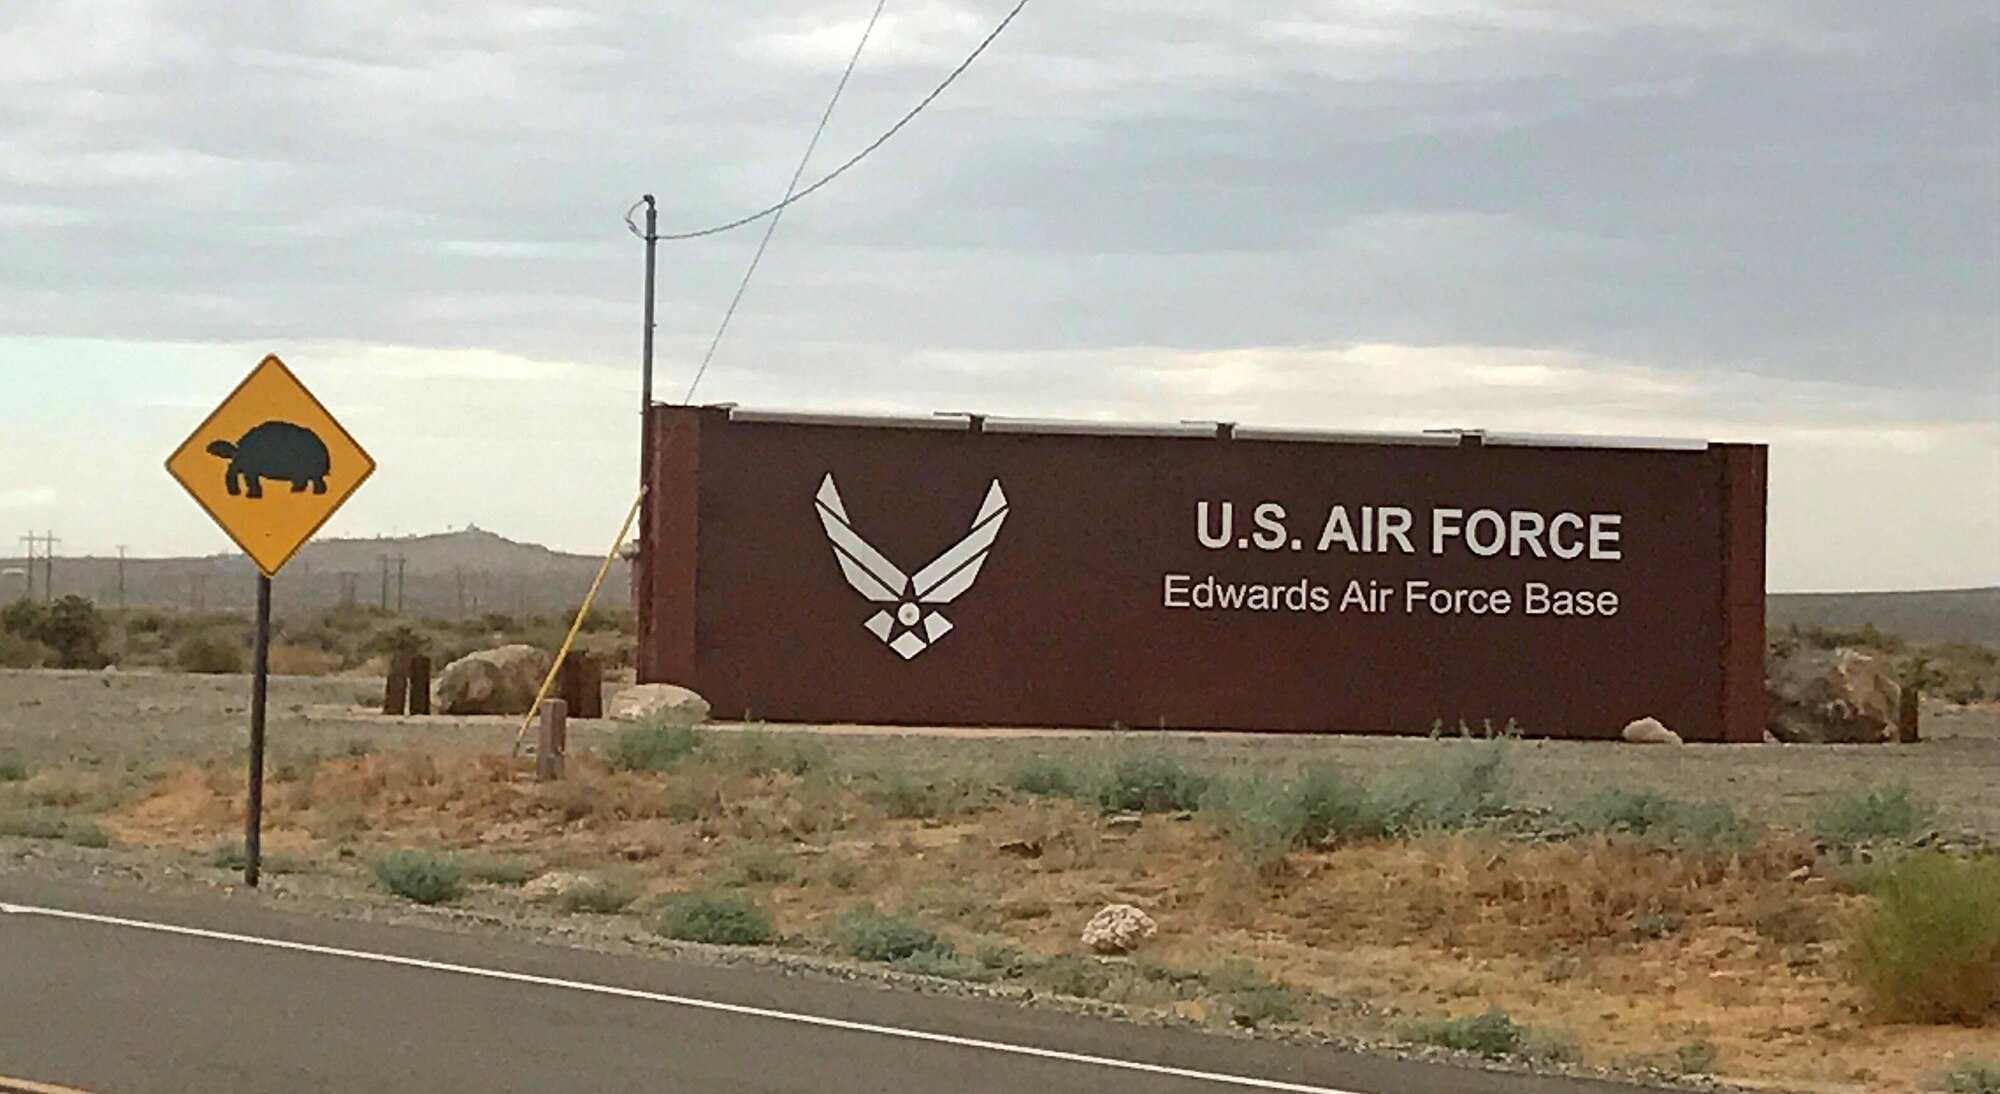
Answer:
x=118 y=993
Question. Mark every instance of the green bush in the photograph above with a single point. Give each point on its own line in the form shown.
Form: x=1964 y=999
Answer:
x=1655 y=820
x=1333 y=808
x=653 y=747
x=904 y=798
x=1895 y=815
x=210 y=652
x=499 y=871
x=1966 y=1077
x=756 y=864
x=1494 y=1035
x=17 y=652
x=874 y=936
x=85 y=833
x=761 y=752
x=1150 y=783
x=1455 y=792
x=31 y=825
x=231 y=856
x=12 y=769
x=722 y=919
x=74 y=629
x=424 y=877
x=1928 y=950
x=1260 y=1006
x=1260 y=815
x=597 y=896
x=1046 y=778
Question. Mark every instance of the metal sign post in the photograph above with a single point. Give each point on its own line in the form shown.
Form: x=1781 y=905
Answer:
x=260 y=690
x=271 y=466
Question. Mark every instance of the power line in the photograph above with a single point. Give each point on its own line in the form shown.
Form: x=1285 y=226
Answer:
x=778 y=215
x=859 y=156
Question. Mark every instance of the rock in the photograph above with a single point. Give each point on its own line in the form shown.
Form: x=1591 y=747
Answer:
x=557 y=885
x=1649 y=731
x=1837 y=696
x=1118 y=928
x=676 y=706
x=1020 y=848
x=1801 y=874
x=499 y=681
x=1123 y=823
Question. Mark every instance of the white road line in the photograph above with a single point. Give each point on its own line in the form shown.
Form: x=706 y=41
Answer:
x=1084 y=1059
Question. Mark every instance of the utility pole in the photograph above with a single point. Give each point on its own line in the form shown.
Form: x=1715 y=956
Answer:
x=385 y=584
x=47 y=541
x=642 y=568
x=401 y=561
x=121 y=577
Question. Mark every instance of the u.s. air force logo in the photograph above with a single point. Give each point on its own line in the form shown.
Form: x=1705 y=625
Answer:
x=909 y=623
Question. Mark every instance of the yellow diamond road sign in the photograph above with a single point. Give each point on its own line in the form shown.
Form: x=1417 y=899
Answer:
x=271 y=465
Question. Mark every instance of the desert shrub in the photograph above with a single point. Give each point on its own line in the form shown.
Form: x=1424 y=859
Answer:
x=1046 y=778
x=652 y=747
x=23 y=618
x=34 y=824
x=18 y=652
x=1151 y=782
x=1493 y=1034
x=338 y=821
x=757 y=864
x=945 y=965
x=12 y=768
x=761 y=752
x=499 y=871
x=905 y=798
x=295 y=660
x=1260 y=1006
x=212 y=652
x=75 y=630
x=1332 y=807
x=596 y=895
x=1260 y=815
x=875 y=936
x=1875 y=815
x=1655 y=820
x=1253 y=999
x=1928 y=950
x=1695 y=1057
x=1658 y=922
x=424 y=877
x=1456 y=792
x=722 y=919
x=231 y=856
x=84 y=833
x=1966 y=1077
x=1080 y=977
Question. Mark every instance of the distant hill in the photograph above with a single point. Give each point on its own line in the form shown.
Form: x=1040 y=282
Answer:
x=471 y=571
x=1948 y=615
x=448 y=575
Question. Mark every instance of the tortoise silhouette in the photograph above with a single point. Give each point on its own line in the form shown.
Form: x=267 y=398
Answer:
x=275 y=450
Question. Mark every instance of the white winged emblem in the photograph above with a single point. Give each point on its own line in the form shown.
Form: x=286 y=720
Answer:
x=911 y=625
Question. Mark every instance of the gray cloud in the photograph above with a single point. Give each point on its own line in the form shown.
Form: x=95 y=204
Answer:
x=1743 y=200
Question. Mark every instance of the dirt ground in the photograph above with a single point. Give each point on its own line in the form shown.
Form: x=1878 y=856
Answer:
x=144 y=719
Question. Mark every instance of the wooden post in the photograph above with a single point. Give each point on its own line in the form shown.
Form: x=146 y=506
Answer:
x=1907 y=717
x=420 y=685
x=553 y=741
x=397 y=695
x=589 y=685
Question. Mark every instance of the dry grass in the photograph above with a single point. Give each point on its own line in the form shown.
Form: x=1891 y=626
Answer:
x=1636 y=949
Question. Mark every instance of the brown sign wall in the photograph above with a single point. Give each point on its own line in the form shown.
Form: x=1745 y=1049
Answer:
x=1001 y=574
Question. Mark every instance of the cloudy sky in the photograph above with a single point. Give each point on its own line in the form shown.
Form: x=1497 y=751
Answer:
x=1742 y=220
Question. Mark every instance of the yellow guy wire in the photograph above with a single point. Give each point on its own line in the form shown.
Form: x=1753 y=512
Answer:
x=588 y=599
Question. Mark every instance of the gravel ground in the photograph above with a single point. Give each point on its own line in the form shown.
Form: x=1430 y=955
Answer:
x=147 y=719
